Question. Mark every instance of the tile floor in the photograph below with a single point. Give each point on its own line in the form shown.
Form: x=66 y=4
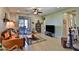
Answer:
x=50 y=44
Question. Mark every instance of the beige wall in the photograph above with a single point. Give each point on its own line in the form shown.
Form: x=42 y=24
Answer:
x=57 y=20
x=2 y=15
x=2 y=25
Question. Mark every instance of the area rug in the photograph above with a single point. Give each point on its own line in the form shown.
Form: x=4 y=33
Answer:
x=38 y=39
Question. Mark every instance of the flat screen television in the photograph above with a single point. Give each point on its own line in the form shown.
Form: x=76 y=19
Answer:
x=50 y=28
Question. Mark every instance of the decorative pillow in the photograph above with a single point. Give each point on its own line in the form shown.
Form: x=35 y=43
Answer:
x=6 y=34
x=13 y=35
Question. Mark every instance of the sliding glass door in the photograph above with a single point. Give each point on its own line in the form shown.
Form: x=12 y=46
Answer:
x=24 y=24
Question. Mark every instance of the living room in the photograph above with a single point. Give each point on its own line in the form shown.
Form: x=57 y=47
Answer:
x=39 y=21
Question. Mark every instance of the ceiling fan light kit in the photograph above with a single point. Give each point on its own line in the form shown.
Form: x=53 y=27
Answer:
x=36 y=11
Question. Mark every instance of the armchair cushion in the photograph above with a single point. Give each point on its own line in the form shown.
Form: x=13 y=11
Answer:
x=8 y=44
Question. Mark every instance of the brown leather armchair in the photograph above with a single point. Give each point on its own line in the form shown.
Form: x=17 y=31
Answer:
x=12 y=44
x=11 y=41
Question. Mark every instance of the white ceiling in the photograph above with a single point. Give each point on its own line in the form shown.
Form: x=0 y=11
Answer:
x=29 y=10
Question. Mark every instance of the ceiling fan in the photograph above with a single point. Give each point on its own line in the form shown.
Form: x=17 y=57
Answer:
x=36 y=11
x=28 y=11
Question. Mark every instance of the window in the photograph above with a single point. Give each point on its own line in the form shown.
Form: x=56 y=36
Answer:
x=23 y=22
x=26 y=23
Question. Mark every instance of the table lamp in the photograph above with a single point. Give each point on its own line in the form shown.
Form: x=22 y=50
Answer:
x=10 y=24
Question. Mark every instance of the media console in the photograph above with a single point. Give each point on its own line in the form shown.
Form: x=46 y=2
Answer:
x=50 y=34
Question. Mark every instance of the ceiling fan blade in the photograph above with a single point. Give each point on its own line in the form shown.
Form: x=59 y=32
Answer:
x=40 y=12
x=36 y=11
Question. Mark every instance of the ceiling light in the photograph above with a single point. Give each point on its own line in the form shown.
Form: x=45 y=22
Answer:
x=35 y=11
x=65 y=13
x=18 y=11
x=58 y=7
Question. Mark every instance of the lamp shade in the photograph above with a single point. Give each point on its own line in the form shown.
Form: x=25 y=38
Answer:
x=10 y=24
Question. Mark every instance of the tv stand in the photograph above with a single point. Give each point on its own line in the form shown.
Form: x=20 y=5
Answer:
x=50 y=34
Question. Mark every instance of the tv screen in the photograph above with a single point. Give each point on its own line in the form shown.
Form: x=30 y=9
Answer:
x=50 y=28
